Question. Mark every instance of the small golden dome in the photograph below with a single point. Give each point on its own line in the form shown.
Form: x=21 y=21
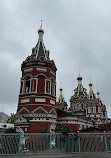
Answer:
x=41 y=30
x=79 y=77
x=98 y=92
x=90 y=84
x=60 y=89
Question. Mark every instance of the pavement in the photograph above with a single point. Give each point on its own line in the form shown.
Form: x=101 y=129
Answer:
x=87 y=155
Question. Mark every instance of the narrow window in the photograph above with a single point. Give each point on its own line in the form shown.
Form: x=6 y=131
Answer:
x=52 y=88
x=27 y=85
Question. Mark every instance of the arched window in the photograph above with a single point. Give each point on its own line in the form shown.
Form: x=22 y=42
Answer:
x=27 y=85
x=52 y=88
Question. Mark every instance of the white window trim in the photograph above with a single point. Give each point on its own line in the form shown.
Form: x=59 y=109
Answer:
x=48 y=87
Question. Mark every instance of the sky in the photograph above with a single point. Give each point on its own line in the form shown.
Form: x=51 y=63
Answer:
x=76 y=32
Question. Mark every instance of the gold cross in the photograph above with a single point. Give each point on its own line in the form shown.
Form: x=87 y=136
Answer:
x=41 y=23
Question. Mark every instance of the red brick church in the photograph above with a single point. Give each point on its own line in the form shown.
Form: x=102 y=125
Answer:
x=38 y=109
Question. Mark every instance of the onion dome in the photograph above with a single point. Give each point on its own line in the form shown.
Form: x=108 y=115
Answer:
x=90 y=84
x=79 y=77
x=40 y=31
x=91 y=93
x=98 y=93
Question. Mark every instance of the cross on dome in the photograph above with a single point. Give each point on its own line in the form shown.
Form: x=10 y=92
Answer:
x=41 y=23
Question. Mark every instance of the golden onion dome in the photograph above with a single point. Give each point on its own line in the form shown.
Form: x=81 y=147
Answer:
x=98 y=92
x=79 y=77
x=90 y=84
x=41 y=30
x=60 y=89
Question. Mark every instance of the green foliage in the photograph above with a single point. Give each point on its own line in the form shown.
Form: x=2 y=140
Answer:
x=10 y=130
x=64 y=129
x=12 y=118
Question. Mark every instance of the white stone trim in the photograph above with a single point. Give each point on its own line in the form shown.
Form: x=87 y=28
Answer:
x=52 y=73
x=24 y=100
x=27 y=76
x=23 y=87
x=41 y=69
x=30 y=69
x=20 y=126
x=34 y=95
x=23 y=108
x=35 y=110
x=42 y=120
x=38 y=105
x=97 y=115
x=40 y=99
x=23 y=90
x=45 y=86
x=41 y=74
x=32 y=85
x=53 y=111
x=74 y=118
x=91 y=115
x=52 y=102
x=36 y=85
x=48 y=85
x=40 y=115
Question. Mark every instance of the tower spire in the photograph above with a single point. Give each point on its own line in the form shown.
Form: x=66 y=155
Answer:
x=91 y=93
x=39 y=50
x=61 y=98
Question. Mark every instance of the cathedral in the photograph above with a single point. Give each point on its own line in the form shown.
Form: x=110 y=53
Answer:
x=38 y=110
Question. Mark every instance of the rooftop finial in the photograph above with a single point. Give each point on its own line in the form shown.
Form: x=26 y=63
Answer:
x=90 y=83
x=61 y=87
x=41 y=23
x=79 y=78
x=41 y=31
x=98 y=93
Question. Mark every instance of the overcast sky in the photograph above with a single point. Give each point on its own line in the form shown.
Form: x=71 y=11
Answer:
x=77 y=33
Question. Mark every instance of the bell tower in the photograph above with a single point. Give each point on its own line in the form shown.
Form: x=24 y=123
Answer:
x=36 y=110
